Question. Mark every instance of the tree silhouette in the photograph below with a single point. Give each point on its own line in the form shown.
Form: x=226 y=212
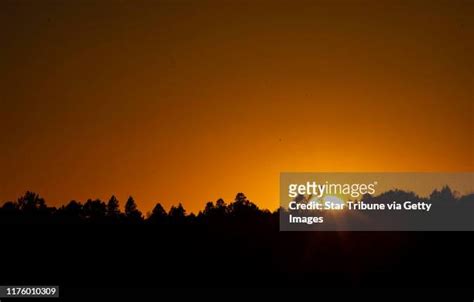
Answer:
x=31 y=202
x=73 y=211
x=31 y=208
x=445 y=195
x=242 y=207
x=220 y=209
x=113 y=210
x=209 y=209
x=215 y=213
x=94 y=210
x=10 y=206
x=177 y=214
x=158 y=214
x=131 y=211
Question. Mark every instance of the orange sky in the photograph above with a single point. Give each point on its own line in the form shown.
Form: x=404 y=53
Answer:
x=189 y=101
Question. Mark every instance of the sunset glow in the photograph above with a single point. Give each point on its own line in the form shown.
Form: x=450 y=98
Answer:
x=101 y=99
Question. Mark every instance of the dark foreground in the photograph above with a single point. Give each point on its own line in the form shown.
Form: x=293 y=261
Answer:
x=78 y=256
x=96 y=250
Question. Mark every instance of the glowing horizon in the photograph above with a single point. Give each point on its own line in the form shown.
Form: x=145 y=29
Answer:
x=121 y=99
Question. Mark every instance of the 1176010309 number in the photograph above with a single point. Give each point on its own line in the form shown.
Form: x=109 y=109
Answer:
x=29 y=291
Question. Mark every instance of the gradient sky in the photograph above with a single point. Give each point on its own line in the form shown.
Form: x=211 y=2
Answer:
x=189 y=101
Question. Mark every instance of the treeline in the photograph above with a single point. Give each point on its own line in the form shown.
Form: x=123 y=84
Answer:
x=32 y=208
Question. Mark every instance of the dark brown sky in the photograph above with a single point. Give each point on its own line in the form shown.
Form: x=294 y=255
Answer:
x=189 y=101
